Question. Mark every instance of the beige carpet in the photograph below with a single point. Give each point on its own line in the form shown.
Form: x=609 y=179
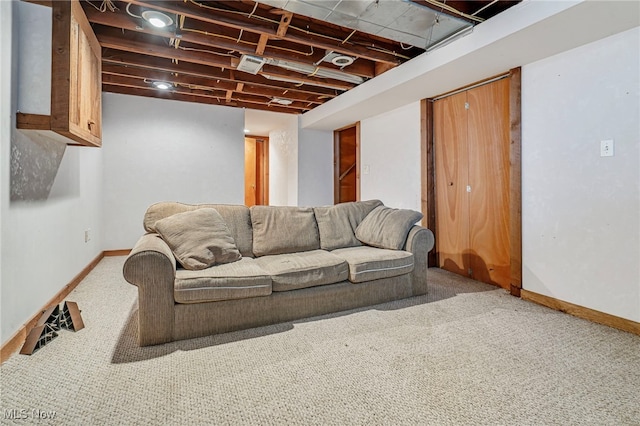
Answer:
x=467 y=353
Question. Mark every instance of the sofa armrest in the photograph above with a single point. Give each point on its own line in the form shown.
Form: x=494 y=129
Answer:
x=151 y=267
x=420 y=242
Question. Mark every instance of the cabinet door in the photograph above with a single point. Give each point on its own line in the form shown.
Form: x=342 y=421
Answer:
x=452 y=202
x=88 y=78
x=76 y=81
x=488 y=142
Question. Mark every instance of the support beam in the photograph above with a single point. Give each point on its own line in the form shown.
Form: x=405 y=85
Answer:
x=214 y=73
x=226 y=19
x=211 y=59
x=160 y=75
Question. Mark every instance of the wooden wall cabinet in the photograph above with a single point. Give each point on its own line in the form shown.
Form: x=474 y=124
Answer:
x=76 y=71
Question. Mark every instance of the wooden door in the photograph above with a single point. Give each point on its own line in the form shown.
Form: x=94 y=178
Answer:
x=346 y=174
x=488 y=124
x=250 y=174
x=256 y=171
x=471 y=142
x=452 y=206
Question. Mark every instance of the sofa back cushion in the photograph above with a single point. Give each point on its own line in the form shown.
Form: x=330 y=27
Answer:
x=198 y=239
x=279 y=230
x=236 y=217
x=337 y=224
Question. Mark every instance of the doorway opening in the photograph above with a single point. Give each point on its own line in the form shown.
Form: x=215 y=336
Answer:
x=256 y=170
x=346 y=161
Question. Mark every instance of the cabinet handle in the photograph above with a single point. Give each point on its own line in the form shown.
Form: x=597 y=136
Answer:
x=90 y=123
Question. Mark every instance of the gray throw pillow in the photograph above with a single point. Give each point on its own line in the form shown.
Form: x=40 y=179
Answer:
x=199 y=238
x=337 y=224
x=387 y=228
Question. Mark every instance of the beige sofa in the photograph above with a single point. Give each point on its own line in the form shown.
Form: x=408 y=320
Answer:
x=290 y=263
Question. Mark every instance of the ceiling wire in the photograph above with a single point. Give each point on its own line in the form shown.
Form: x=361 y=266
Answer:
x=448 y=8
x=306 y=31
x=193 y=49
x=484 y=7
x=435 y=22
x=193 y=30
x=106 y=5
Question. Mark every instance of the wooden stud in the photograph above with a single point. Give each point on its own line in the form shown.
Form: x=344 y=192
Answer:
x=200 y=98
x=262 y=44
x=363 y=68
x=284 y=24
x=427 y=174
x=515 y=180
x=233 y=22
x=132 y=60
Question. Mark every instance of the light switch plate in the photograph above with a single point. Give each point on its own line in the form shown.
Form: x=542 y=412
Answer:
x=606 y=148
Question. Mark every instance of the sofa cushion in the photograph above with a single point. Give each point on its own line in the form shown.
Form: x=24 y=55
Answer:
x=305 y=269
x=337 y=224
x=387 y=228
x=238 y=280
x=236 y=217
x=198 y=238
x=279 y=230
x=370 y=263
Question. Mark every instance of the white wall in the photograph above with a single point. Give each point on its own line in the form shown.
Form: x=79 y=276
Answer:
x=390 y=148
x=6 y=68
x=315 y=171
x=581 y=212
x=527 y=32
x=160 y=150
x=283 y=163
x=43 y=245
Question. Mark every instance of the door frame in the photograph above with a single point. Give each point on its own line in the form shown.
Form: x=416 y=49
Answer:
x=336 y=163
x=265 y=175
x=428 y=177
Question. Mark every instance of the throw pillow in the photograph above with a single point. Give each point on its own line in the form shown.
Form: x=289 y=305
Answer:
x=387 y=228
x=199 y=238
x=337 y=224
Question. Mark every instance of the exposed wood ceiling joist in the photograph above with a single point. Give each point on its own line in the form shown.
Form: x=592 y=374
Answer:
x=200 y=52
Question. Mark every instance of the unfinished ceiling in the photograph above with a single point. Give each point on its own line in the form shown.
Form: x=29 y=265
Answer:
x=276 y=55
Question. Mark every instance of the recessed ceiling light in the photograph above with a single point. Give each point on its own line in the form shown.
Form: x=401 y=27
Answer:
x=157 y=19
x=163 y=85
x=282 y=101
x=342 y=60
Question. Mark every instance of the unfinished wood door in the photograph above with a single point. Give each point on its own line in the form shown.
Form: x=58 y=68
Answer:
x=471 y=142
x=346 y=184
x=256 y=171
x=452 y=206
x=488 y=124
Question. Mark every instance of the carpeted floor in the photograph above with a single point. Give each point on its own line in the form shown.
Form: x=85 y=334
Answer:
x=467 y=353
